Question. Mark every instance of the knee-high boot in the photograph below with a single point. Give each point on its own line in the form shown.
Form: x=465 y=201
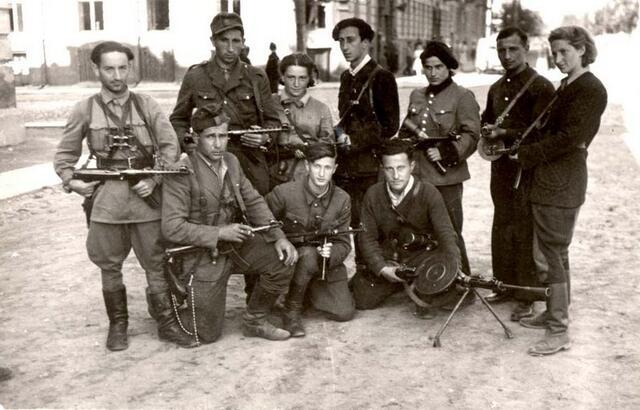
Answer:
x=168 y=328
x=116 y=305
x=292 y=319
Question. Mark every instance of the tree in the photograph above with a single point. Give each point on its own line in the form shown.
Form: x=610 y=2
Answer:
x=513 y=15
x=301 y=24
x=617 y=16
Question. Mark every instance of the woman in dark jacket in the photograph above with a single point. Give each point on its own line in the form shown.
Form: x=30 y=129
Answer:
x=559 y=160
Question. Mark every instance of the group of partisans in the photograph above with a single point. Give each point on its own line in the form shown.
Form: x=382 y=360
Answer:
x=367 y=171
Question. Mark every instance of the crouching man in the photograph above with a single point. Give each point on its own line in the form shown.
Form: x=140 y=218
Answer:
x=215 y=208
x=399 y=215
x=315 y=204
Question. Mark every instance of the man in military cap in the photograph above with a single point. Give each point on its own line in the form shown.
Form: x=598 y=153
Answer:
x=241 y=89
x=400 y=207
x=214 y=208
x=316 y=204
x=123 y=130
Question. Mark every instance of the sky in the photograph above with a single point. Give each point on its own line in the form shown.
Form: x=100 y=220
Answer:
x=553 y=11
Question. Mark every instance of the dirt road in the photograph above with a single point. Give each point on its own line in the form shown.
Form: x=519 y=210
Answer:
x=53 y=324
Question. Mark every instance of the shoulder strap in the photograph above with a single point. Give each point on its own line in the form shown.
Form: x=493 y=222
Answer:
x=257 y=96
x=515 y=99
x=299 y=133
x=235 y=187
x=365 y=87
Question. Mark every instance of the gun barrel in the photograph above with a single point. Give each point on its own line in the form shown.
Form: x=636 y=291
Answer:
x=493 y=284
x=235 y=133
x=321 y=234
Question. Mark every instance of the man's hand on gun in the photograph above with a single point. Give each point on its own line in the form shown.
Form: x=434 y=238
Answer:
x=433 y=154
x=325 y=250
x=254 y=140
x=389 y=273
x=144 y=187
x=492 y=131
x=83 y=188
x=235 y=232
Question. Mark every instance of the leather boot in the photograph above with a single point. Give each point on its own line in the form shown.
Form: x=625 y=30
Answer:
x=556 y=337
x=168 y=328
x=116 y=304
x=292 y=318
x=152 y=312
x=255 y=323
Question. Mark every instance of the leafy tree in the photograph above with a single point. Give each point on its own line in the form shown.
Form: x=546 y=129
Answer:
x=617 y=16
x=513 y=15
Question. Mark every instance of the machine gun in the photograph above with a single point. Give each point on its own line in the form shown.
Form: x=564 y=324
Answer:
x=422 y=139
x=319 y=237
x=173 y=257
x=132 y=176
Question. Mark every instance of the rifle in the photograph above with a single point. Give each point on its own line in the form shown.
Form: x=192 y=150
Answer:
x=422 y=138
x=132 y=176
x=188 y=138
x=319 y=237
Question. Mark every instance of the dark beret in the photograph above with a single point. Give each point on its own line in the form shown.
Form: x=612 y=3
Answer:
x=364 y=29
x=210 y=115
x=226 y=21
x=317 y=150
x=440 y=50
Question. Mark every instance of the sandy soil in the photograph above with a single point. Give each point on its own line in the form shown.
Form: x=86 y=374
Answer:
x=53 y=325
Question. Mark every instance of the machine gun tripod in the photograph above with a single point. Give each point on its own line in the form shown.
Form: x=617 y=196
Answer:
x=470 y=284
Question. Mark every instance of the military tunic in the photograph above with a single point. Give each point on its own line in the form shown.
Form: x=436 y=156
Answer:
x=246 y=99
x=120 y=218
x=303 y=211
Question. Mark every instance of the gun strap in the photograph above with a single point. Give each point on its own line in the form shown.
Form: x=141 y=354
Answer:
x=515 y=99
x=146 y=121
x=257 y=96
x=365 y=87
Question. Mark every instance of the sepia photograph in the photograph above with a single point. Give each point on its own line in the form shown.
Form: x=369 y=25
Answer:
x=319 y=204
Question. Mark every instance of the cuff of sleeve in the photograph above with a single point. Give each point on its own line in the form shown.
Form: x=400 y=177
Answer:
x=274 y=235
x=449 y=153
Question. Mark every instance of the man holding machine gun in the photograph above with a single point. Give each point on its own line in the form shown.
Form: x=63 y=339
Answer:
x=241 y=89
x=123 y=131
x=513 y=103
x=402 y=206
x=316 y=204
x=443 y=110
x=214 y=208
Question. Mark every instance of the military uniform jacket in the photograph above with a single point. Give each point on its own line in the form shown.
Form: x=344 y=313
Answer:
x=374 y=119
x=301 y=211
x=421 y=211
x=454 y=108
x=115 y=202
x=245 y=96
x=560 y=156
x=181 y=208
x=519 y=118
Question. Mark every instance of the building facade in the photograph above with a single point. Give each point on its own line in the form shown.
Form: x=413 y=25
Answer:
x=51 y=40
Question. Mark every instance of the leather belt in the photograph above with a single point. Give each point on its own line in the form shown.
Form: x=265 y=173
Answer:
x=131 y=163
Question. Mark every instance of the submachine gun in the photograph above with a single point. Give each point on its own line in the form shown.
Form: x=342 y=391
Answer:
x=188 y=138
x=321 y=237
x=422 y=140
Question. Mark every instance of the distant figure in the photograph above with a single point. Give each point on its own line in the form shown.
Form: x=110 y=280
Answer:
x=244 y=54
x=272 y=69
x=417 y=62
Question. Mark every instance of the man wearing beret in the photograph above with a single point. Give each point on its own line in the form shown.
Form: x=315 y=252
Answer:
x=241 y=89
x=214 y=208
x=369 y=112
x=440 y=110
x=316 y=204
x=123 y=130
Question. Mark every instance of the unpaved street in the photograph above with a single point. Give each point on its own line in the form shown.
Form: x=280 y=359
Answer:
x=53 y=323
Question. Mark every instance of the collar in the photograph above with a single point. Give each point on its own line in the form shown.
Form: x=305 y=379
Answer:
x=224 y=67
x=219 y=171
x=521 y=76
x=108 y=96
x=397 y=199
x=285 y=99
x=435 y=89
x=311 y=197
x=365 y=60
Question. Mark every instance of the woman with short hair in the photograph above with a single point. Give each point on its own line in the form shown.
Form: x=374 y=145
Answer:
x=559 y=162
x=310 y=119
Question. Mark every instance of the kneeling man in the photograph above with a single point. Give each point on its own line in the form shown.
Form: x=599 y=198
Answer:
x=313 y=204
x=400 y=207
x=214 y=208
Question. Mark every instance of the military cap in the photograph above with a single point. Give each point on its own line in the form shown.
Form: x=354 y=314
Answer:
x=316 y=150
x=442 y=51
x=210 y=115
x=226 y=21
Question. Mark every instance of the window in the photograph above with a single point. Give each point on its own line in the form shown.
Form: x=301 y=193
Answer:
x=235 y=6
x=15 y=17
x=158 y=14
x=91 y=15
